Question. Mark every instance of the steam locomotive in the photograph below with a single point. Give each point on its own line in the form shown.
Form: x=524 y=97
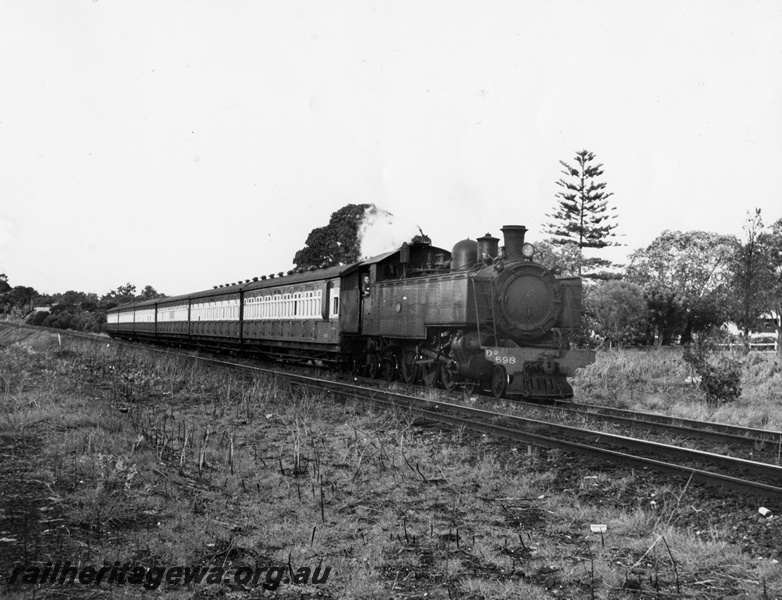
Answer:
x=480 y=316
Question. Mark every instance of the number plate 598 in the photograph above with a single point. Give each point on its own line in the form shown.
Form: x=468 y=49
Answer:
x=494 y=356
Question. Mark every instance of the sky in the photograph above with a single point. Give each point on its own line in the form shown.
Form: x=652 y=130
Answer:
x=188 y=144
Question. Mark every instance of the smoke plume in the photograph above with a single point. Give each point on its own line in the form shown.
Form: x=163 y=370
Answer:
x=381 y=231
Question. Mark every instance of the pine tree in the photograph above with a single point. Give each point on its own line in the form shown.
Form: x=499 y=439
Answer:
x=583 y=217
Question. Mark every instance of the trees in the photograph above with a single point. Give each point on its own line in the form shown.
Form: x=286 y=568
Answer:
x=21 y=297
x=5 y=305
x=583 y=217
x=773 y=248
x=686 y=277
x=336 y=243
x=150 y=293
x=564 y=260
x=752 y=274
x=123 y=293
x=617 y=311
x=127 y=293
x=81 y=311
x=71 y=316
x=79 y=299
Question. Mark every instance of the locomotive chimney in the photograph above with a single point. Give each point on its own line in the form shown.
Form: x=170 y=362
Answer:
x=514 y=240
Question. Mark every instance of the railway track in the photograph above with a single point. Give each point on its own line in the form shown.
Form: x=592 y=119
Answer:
x=719 y=432
x=696 y=465
x=760 y=441
x=707 y=467
x=587 y=442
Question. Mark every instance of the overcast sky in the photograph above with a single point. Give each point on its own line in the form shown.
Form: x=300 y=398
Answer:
x=186 y=144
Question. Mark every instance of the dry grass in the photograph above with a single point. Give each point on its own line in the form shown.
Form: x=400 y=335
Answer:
x=159 y=461
x=657 y=380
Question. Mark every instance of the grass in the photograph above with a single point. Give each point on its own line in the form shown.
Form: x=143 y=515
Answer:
x=658 y=381
x=151 y=460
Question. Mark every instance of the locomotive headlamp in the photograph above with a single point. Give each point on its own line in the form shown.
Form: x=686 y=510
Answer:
x=528 y=251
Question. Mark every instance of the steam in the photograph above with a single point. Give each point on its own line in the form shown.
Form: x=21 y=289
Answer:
x=381 y=231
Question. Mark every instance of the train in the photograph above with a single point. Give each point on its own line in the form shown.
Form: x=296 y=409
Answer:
x=478 y=317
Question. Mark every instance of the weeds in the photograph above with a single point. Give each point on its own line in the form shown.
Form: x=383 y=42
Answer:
x=153 y=460
x=719 y=374
x=661 y=381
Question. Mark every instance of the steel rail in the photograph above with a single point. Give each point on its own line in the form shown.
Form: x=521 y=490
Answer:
x=525 y=423
x=732 y=432
x=707 y=430
x=708 y=477
x=702 y=432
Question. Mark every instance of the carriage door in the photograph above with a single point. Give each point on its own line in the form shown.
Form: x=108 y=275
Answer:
x=350 y=304
x=368 y=291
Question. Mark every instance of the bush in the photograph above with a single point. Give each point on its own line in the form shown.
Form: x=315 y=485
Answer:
x=719 y=372
x=77 y=321
x=37 y=318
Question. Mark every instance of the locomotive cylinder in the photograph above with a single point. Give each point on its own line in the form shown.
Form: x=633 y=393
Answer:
x=467 y=350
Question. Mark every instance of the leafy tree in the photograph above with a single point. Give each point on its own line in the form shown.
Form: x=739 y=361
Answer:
x=564 y=260
x=583 y=216
x=752 y=274
x=46 y=299
x=773 y=245
x=127 y=293
x=4 y=286
x=336 y=243
x=618 y=312
x=124 y=293
x=665 y=315
x=60 y=309
x=686 y=277
x=75 y=310
x=80 y=300
x=21 y=297
x=74 y=301
x=150 y=293
x=126 y=290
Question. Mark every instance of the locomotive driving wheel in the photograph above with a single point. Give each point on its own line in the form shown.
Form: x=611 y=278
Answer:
x=408 y=369
x=430 y=372
x=355 y=367
x=499 y=381
x=388 y=366
x=446 y=377
x=374 y=368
